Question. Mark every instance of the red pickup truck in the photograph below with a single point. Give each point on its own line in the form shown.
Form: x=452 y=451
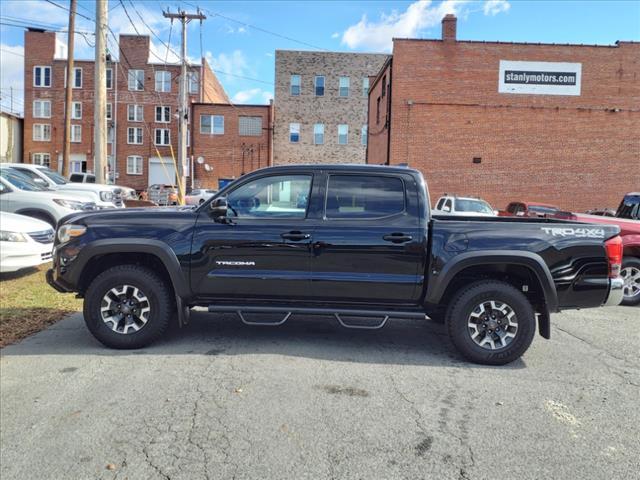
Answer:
x=628 y=219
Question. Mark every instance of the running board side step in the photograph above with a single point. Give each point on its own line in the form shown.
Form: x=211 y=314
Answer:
x=240 y=311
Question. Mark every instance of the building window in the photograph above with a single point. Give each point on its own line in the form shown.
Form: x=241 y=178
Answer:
x=77 y=77
x=43 y=159
x=294 y=132
x=384 y=86
x=194 y=82
x=134 y=165
x=163 y=114
x=295 y=85
x=136 y=80
x=41 y=76
x=76 y=110
x=365 y=86
x=163 y=81
x=363 y=135
x=42 y=109
x=134 y=135
x=162 y=136
x=135 y=113
x=109 y=111
x=76 y=133
x=110 y=135
x=343 y=134
x=212 y=124
x=250 y=126
x=41 y=132
x=319 y=85
x=109 y=78
x=343 y=87
x=378 y=110
x=188 y=137
x=318 y=134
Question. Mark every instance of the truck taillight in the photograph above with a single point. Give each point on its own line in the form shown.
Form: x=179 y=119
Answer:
x=613 y=246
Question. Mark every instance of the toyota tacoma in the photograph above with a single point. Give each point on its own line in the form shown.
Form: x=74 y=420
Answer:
x=358 y=243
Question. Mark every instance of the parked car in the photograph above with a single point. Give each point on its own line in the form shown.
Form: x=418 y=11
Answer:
x=104 y=196
x=198 y=196
x=528 y=209
x=162 y=194
x=84 y=177
x=345 y=240
x=18 y=194
x=627 y=218
x=24 y=242
x=463 y=206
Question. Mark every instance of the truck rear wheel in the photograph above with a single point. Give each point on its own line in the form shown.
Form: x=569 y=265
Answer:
x=491 y=322
x=128 y=306
x=630 y=273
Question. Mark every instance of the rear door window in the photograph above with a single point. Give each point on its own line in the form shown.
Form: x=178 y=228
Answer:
x=364 y=196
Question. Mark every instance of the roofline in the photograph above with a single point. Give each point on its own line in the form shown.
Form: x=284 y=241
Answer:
x=330 y=51
x=233 y=105
x=497 y=42
x=388 y=62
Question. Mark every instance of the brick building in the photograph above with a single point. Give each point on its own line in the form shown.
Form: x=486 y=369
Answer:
x=142 y=100
x=230 y=140
x=321 y=106
x=511 y=121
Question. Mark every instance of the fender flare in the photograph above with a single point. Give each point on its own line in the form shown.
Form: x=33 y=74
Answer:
x=134 y=245
x=532 y=261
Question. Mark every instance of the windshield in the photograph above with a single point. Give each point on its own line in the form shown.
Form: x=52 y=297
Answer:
x=53 y=175
x=629 y=207
x=476 y=206
x=20 y=180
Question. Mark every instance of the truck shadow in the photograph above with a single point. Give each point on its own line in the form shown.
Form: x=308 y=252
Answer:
x=400 y=342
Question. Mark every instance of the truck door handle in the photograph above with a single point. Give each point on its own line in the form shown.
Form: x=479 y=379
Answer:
x=397 y=238
x=295 y=236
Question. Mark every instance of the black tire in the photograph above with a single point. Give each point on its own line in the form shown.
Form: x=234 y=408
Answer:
x=160 y=300
x=467 y=299
x=631 y=262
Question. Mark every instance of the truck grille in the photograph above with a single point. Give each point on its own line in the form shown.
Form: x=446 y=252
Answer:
x=46 y=256
x=117 y=197
x=45 y=236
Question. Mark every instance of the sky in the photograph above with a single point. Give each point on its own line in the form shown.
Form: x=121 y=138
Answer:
x=239 y=38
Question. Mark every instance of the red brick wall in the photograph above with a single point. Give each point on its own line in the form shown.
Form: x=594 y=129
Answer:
x=225 y=153
x=573 y=151
x=212 y=90
x=378 y=125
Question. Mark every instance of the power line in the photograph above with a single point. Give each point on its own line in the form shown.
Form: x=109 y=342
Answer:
x=254 y=27
x=67 y=9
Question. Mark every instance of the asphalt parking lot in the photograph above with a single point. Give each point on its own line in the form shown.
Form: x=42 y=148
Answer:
x=311 y=400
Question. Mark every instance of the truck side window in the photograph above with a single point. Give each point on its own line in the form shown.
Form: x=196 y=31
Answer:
x=439 y=205
x=361 y=197
x=282 y=196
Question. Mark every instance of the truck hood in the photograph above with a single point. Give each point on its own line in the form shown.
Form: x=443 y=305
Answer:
x=121 y=216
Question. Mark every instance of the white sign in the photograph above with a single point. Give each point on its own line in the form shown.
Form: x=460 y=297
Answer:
x=540 y=78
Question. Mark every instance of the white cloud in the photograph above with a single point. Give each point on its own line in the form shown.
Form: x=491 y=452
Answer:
x=494 y=7
x=11 y=76
x=378 y=35
x=335 y=35
x=253 y=95
x=234 y=62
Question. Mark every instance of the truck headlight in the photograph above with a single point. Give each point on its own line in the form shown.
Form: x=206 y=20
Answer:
x=106 y=196
x=67 y=232
x=6 y=236
x=71 y=204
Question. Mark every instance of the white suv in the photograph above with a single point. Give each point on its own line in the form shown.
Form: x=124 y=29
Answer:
x=18 y=194
x=104 y=196
x=463 y=206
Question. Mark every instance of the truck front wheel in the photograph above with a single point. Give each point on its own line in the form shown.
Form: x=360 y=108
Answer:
x=491 y=322
x=128 y=306
x=631 y=275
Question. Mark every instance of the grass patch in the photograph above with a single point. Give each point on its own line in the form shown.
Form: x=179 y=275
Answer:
x=28 y=304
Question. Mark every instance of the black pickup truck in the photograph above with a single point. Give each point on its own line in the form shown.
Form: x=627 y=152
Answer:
x=358 y=243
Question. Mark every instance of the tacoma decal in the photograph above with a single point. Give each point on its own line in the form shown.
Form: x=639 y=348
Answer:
x=236 y=263
x=574 y=232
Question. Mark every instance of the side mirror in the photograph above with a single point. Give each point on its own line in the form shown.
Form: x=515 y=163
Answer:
x=446 y=208
x=218 y=209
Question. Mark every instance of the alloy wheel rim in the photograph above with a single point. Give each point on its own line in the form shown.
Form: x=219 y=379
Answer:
x=492 y=325
x=631 y=278
x=125 y=309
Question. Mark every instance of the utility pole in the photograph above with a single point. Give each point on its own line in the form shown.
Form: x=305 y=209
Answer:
x=183 y=109
x=66 y=149
x=100 y=88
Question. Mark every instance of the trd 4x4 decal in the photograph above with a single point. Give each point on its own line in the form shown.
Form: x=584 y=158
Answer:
x=574 y=232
